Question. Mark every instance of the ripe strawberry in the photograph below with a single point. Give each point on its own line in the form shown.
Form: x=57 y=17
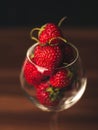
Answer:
x=48 y=32
x=33 y=75
x=48 y=95
x=47 y=56
x=61 y=78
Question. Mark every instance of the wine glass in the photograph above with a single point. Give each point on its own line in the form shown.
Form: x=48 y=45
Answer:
x=66 y=96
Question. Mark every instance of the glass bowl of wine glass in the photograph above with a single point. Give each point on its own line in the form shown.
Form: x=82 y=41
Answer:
x=53 y=87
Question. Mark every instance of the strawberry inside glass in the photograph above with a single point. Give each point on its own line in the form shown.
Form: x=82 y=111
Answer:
x=52 y=76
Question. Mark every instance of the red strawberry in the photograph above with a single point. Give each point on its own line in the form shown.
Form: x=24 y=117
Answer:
x=61 y=78
x=48 y=32
x=32 y=75
x=47 y=56
x=48 y=95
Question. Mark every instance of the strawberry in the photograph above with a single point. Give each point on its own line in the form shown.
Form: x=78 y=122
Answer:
x=48 y=56
x=49 y=32
x=61 y=78
x=32 y=74
x=47 y=95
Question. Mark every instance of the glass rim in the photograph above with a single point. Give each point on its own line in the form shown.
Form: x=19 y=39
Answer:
x=65 y=66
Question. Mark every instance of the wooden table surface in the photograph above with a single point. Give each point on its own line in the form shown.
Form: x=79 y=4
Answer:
x=17 y=112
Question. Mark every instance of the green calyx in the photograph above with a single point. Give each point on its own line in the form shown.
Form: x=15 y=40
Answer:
x=70 y=74
x=54 y=93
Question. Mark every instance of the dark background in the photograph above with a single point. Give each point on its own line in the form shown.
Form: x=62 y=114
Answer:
x=16 y=20
x=38 y=12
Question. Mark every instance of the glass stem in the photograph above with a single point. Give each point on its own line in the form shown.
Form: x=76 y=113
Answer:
x=54 y=121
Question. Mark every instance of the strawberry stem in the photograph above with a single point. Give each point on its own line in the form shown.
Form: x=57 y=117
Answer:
x=64 y=40
x=31 y=34
x=41 y=29
x=34 y=38
x=60 y=22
